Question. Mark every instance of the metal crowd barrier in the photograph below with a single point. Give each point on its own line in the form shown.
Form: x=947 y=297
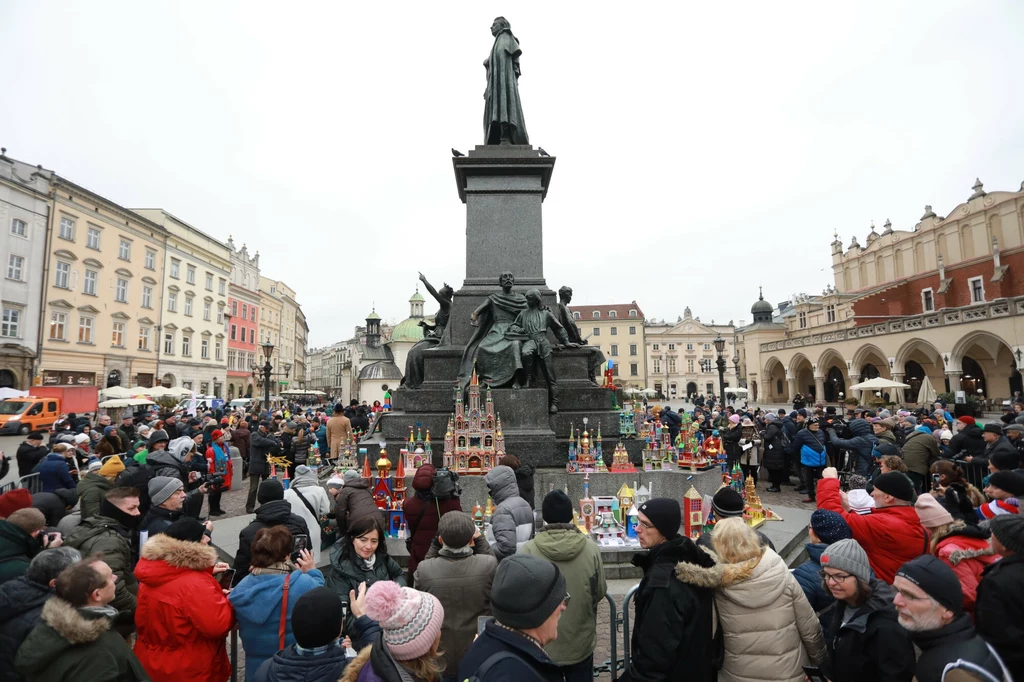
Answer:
x=234 y=654
x=8 y=487
x=625 y=623
x=32 y=483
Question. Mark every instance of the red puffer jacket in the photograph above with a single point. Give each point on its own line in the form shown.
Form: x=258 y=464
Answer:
x=423 y=512
x=966 y=550
x=891 y=536
x=182 y=616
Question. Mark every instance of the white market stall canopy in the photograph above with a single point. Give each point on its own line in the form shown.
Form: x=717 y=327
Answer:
x=125 y=402
x=878 y=384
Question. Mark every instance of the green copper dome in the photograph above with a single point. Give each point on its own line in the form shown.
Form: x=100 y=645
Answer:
x=408 y=330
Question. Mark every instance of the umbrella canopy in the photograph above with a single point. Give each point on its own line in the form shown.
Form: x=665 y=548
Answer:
x=116 y=392
x=739 y=390
x=927 y=394
x=124 y=402
x=11 y=393
x=878 y=384
x=159 y=392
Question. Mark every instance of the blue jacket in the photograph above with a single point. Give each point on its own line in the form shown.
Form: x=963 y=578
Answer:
x=863 y=441
x=257 y=603
x=807 y=575
x=54 y=473
x=814 y=441
x=288 y=665
x=321 y=440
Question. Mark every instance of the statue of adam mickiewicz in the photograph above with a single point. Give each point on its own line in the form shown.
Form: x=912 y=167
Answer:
x=503 y=111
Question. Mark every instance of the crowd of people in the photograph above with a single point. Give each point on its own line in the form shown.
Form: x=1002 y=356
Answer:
x=913 y=572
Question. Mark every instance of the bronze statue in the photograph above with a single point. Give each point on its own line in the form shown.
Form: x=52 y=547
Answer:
x=531 y=329
x=503 y=112
x=433 y=334
x=497 y=358
x=595 y=358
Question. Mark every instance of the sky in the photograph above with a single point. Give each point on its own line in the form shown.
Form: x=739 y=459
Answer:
x=703 y=149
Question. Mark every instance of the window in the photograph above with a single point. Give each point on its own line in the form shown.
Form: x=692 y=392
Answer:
x=121 y=292
x=221 y=286
x=175 y=268
x=634 y=369
x=927 y=300
x=207 y=310
x=188 y=306
x=612 y=313
x=15 y=267
x=147 y=297
x=632 y=349
x=186 y=345
x=245 y=312
x=655 y=347
x=11 y=325
x=977 y=287
x=830 y=313
x=707 y=346
x=671 y=346
x=218 y=350
x=172 y=301
x=671 y=365
x=273 y=289
x=19 y=228
x=632 y=331
x=150 y=259
x=576 y=316
x=143 y=338
x=657 y=366
x=220 y=316
x=234 y=332
x=169 y=343
x=689 y=366
x=67 y=229
x=802 y=320
x=597 y=331
x=190 y=274
x=89 y=285
x=234 y=308
x=632 y=313
x=85 y=325
x=232 y=359
x=209 y=281
x=117 y=335
x=62 y=275
x=615 y=349
x=597 y=314
x=615 y=331
x=204 y=349
x=124 y=250
x=689 y=346
x=58 y=326
x=92 y=238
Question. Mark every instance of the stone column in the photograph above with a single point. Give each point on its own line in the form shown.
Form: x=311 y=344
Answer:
x=851 y=393
x=953 y=376
x=899 y=392
x=791 y=382
x=819 y=387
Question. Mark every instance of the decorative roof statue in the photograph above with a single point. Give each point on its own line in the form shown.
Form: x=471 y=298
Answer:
x=979 y=189
x=887 y=228
x=928 y=212
x=504 y=122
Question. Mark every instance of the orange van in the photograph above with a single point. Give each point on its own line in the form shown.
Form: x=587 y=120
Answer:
x=22 y=415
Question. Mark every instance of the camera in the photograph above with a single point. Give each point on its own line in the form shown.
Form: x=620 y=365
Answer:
x=213 y=480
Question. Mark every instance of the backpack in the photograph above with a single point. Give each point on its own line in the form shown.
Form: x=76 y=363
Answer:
x=785 y=442
x=446 y=484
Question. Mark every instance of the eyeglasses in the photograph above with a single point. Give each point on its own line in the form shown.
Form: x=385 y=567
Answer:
x=835 y=578
x=647 y=524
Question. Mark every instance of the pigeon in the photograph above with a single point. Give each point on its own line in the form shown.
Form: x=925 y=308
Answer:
x=542 y=152
x=456 y=152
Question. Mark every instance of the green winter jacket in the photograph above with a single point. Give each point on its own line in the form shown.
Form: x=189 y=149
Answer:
x=579 y=559
x=72 y=644
x=91 y=490
x=104 y=534
x=16 y=551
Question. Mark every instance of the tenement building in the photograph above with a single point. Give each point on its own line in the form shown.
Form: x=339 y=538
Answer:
x=243 y=315
x=682 y=358
x=618 y=330
x=941 y=303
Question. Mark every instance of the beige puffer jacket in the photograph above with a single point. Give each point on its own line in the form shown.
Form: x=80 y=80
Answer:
x=769 y=628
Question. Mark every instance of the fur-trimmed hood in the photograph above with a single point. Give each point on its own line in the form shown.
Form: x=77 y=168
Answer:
x=179 y=553
x=355 y=666
x=67 y=628
x=754 y=582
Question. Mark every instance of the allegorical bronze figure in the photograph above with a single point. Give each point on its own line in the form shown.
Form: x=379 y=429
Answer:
x=531 y=330
x=433 y=334
x=595 y=358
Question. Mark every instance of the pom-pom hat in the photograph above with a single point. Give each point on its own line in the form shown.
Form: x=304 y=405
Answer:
x=411 y=620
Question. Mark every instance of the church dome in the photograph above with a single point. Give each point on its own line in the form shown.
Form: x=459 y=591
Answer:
x=408 y=329
x=762 y=309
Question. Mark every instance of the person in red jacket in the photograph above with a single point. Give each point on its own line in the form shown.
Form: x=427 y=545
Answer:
x=423 y=512
x=182 y=614
x=218 y=462
x=891 y=533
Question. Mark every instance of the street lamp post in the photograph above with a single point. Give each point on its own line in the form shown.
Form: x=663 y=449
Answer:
x=264 y=375
x=720 y=347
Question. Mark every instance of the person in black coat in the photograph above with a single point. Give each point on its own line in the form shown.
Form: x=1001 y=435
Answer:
x=30 y=453
x=21 y=603
x=274 y=510
x=524 y=477
x=999 y=607
x=672 y=637
x=56 y=505
x=261 y=444
x=774 y=458
x=967 y=442
x=672 y=421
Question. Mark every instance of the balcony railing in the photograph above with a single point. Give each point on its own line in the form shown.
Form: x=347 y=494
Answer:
x=1003 y=307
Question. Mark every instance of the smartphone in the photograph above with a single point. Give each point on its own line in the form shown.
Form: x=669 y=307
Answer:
x=300 y=543
x=935 y=480
x=813 y=673
x=225 y=578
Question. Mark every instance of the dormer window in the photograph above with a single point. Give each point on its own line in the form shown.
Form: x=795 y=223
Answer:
x=597 y=314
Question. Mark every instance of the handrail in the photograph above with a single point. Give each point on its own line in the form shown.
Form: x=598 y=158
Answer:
x=625 y=623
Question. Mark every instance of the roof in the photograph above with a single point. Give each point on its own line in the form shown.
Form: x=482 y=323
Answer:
x=408 y=329
x=384 y=369
x=621 y=311
x=417 y=297
x=376 y=353
x=373 y=315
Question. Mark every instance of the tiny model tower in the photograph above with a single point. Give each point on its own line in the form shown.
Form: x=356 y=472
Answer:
x=693 y=515
x=417 y=451
x=473 y=443
x=620 y=460
x=383 y=496
x=588 y=509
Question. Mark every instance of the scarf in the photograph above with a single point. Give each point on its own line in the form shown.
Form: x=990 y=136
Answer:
x=455 y=552
x=368 y=563
x=220 y=459
x=276 y=568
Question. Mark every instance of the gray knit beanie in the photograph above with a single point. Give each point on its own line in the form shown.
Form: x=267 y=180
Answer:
x=526 y=591
x=456 y=528
x=161 y=488
x=351 y=475
x=849 y=556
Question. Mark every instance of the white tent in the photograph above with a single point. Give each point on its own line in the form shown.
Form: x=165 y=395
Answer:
x=124 y=402
x=11 y=393
x=878 y=384
x=116 y=392
x=739 y=390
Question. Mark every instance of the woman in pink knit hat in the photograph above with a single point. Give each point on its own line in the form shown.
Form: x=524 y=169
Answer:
x=410 y=623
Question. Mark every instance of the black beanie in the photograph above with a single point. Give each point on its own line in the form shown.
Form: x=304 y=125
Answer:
x=727 y=502
x=664 y=514
x=187 y=529
x=556 y=508
x=270 y=490
x=316 y=618
x=897 y=484
x=1009 y=481
x=1009 y=530
x=936 y=579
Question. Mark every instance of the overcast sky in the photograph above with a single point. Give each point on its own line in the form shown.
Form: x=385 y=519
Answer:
x=702 y=148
